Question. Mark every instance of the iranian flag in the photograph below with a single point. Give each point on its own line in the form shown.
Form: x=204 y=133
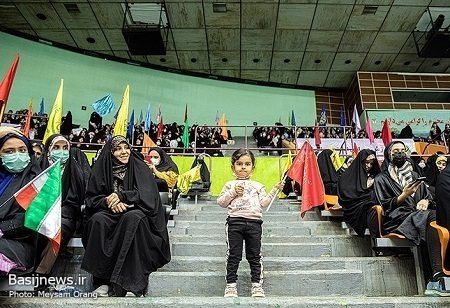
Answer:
x=41 y=200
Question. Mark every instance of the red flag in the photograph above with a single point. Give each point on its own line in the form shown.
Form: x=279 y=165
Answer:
x=386 y=133
x=305 y=171
x=5 y=86
x=369 y=130
x=355 y=149
x=27 y=127
x=317 y=135
x=160 y=129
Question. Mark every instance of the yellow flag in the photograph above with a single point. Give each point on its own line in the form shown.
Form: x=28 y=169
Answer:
x=120 y=128
x=336 y=159
x=54 y=120
x=185 y=180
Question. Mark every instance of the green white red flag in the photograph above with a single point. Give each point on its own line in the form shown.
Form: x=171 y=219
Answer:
x=41 y=200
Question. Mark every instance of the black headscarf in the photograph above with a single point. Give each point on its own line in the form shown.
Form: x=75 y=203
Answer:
x=138 y=177
x=406 y=133
x=204 y=171
x=354 y=195
x=432 y=170
x=166 y=163
x=66 y=126
x=328 y=172
x=18 y=179
x=387 y=156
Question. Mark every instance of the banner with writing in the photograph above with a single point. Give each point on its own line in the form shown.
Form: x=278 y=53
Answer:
x=345 y=147
x=419 y=120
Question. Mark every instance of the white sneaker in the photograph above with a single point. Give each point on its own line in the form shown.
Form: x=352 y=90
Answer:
x=258 y=291
x=230 y=291
x=102 y=291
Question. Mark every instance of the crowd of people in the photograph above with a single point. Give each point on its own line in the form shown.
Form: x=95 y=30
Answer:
x=92 y=138
x=123 y=208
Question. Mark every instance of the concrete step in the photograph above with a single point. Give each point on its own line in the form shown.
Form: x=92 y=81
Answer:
x=212 y=264
x=202 y=215
x=199 y=231
x=274 y=250
x=276 y=228
x=341 y=245
x=279 y=283
x=221 y=302
x=382 y=275
x=214 y=216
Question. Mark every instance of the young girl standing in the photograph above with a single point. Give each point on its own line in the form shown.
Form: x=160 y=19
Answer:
x=244 y=199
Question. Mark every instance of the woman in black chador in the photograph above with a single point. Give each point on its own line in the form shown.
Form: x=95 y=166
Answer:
x=126 y=235
x=443 y=206
x=328 y=173
x=355 y=189
x=75 y=175
x=17 y=243
x=408 y=206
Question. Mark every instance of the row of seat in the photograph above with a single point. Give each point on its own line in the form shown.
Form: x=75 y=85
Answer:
x=391 y=240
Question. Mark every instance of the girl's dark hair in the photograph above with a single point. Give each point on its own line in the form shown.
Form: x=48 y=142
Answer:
x=241 y=152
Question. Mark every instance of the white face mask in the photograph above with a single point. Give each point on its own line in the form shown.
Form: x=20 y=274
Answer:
x=421 y=165
x=155 y=161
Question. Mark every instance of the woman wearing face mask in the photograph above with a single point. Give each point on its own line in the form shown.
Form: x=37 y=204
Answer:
x=75 y=174
x=163 y=167
x=355 y=189
x=17 y=243
x=418 y=163
x=408 y=206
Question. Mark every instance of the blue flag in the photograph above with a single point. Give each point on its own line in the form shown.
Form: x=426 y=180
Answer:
x=342 y=123
x=293 y=122
x=217 y=117
x=141 y=117
x=323 y=117
x=104 y=105
x=41 y=108
x=148 y=119
x=131 y=127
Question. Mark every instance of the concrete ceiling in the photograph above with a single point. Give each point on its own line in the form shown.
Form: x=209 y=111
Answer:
x=308 y=43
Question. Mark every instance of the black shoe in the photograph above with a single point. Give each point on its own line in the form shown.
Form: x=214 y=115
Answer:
x=119 y=291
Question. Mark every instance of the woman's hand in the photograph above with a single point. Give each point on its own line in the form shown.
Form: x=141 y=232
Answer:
x=151 y=166
x=112 y=200
x=422 y=205
x=119 y=207
x=411 y=188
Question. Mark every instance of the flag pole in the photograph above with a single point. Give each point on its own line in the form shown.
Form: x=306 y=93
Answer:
x=276 y=193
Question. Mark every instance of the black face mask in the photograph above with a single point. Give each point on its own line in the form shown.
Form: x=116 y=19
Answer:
x=398 y=159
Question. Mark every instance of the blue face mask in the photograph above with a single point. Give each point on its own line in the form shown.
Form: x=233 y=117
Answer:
x=16 y=162
x=63 y=155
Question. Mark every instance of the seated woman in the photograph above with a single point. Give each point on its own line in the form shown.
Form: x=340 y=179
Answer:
x=163 y=167
x=75 y=175
x=125 y=238
x=435 y=163
x=17 y=243
x=355 y=190
x=328 y=172
x=408 y=206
